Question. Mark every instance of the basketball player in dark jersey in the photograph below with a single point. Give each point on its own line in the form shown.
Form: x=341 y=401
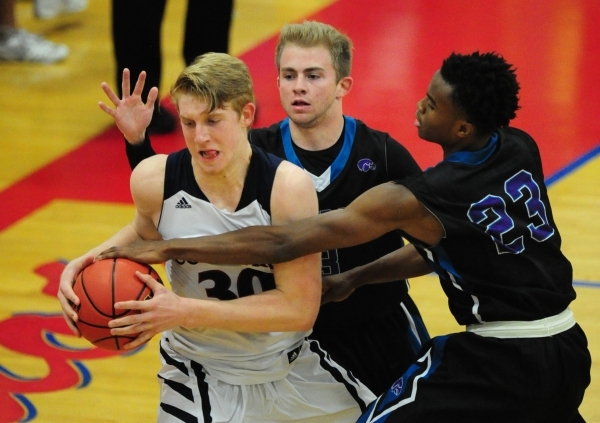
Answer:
x=376 y=332
x=481 y=219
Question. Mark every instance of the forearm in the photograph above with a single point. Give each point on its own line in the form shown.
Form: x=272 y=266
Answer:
x=403 y=263
x=138 y=150
x=255 y=245
x=125 y=236
x=269 y=311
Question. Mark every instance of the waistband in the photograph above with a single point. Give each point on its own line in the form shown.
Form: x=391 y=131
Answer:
x=548 y=326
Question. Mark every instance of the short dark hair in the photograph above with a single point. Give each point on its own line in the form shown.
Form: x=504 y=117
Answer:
x=484 y=86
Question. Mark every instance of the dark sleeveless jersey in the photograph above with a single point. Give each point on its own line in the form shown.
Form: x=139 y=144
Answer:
x=500 y=259
x=366 y=158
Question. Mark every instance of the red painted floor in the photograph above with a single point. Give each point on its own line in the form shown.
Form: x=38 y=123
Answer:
x=398 y=45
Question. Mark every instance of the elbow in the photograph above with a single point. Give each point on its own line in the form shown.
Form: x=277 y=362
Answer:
x=305 y=323
x=306 y=316
x=300 y=317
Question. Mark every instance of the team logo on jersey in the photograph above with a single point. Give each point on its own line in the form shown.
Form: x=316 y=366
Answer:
x=396 y=388
x=364 y=165
x=183 y=204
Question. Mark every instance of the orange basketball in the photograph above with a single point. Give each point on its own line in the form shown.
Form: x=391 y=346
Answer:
x=99 y=286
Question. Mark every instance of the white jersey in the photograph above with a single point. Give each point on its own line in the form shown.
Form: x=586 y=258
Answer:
x=233 y=357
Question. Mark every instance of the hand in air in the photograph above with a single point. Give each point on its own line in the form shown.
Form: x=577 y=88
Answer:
x=160 y=313
x=132 y=116
x=335 y=288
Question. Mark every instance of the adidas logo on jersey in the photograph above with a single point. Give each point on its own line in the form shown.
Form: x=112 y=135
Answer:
x=183 y=204
x=294 y=354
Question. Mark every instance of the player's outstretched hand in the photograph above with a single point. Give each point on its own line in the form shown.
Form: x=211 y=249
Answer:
x=164 y=311
x=336 y=288
x=66 y=295
x=132 y=116
x=149 y=252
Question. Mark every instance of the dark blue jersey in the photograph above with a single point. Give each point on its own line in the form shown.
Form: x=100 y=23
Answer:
x=360 y=160
x=500 y=259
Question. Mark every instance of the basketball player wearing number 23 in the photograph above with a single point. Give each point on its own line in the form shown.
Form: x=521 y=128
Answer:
x=233 y=344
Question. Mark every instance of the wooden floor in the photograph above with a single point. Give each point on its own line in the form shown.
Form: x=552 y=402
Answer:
x=63 y=176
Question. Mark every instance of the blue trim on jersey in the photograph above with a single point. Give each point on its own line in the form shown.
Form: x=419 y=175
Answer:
x=342 y=158
x=404 y=390
x=475 y=157
x=442 y=261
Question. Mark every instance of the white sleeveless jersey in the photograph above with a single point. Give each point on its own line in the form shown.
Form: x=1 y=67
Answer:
x=233 y=357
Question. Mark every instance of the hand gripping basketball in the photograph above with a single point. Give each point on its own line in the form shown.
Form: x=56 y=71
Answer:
x=99 y=286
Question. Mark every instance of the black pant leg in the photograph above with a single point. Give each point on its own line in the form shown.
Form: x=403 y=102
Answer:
x=136 y=30
x=207 y=28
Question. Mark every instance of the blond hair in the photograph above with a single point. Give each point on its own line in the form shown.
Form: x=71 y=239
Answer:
x=317 y=34
x=217 y=78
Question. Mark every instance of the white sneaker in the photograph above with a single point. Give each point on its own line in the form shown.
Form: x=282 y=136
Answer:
x=18 y=45
x=48 y=9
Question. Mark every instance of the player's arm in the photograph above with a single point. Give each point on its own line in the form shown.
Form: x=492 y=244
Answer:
x=132 y=116
x=294 y=303
x=402 y=263
x=379 y=210
x=142 y=227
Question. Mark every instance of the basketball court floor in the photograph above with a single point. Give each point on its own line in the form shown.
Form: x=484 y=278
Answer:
x=64 y=176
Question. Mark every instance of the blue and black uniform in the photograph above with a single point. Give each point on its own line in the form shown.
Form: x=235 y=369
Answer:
x=377 y=331
x=523 y=358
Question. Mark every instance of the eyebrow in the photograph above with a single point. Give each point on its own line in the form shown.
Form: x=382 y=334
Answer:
x=431 y=99
x=314 y=68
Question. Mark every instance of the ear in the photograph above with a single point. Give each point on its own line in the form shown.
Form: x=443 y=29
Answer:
x=278 y=85
x=247 y=115
x=344 y=86
x=465 y=129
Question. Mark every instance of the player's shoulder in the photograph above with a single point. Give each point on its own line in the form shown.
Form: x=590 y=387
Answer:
x=366 y=131
x=377 y=140
x=148 y=179
x=513 y=133
x=375 y=137
x=293 y=195
x=292 y=182
x=151 y=166
x=265 y=137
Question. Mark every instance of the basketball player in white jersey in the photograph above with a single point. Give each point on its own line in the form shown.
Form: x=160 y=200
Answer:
x=233 y=344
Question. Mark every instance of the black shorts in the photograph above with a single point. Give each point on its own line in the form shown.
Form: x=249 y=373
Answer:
x=379 y=349
x=465 y=377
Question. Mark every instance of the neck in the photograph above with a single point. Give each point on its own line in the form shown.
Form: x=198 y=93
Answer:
x=473 y=143
x=320 y=136
x=224 y=189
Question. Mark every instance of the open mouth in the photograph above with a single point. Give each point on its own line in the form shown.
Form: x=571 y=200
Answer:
x=209 y=154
